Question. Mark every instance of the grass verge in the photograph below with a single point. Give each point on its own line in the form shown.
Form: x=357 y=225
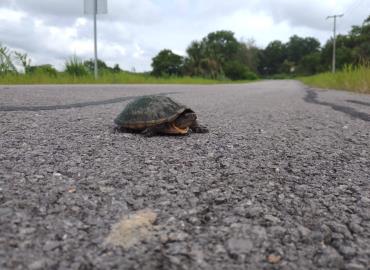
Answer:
x=109 y=78
x=356 y=79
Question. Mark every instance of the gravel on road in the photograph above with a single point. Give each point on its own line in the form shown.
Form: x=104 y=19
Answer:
x=282 y=181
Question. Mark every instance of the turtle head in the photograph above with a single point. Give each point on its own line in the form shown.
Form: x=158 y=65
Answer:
x=185 y=119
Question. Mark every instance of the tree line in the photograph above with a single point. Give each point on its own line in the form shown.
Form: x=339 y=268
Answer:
x=220 y=55
x=73 y=66
x=216 y=56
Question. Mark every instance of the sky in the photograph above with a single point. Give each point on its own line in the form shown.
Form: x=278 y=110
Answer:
x=134 y=31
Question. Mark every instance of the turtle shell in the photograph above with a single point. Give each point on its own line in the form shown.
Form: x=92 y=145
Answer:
x=149 y=111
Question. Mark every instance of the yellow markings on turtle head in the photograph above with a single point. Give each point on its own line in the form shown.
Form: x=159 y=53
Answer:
x=173 y=129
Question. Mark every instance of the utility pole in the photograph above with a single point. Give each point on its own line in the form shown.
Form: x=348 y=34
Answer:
x=95 y=7
x=334 y=37
x=95 y=41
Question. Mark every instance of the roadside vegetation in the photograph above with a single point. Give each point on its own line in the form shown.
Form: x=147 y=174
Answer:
x=122 y=77
x=80 y=72
x=218 y=58
x=351 y=78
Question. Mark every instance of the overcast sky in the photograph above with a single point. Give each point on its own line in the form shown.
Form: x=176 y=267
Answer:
x=134 y=31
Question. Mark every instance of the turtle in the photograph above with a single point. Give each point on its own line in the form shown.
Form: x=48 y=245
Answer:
x=155 y=114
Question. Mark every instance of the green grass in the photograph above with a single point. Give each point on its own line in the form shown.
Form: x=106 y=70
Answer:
x=108 y=78
x=75 y=67
x=356 y=79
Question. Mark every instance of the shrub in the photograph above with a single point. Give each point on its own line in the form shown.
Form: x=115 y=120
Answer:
x=235 y=70
x=6 y=64
x=42 y=69
x=167 y=63
x=74 y=66
x=251 y=76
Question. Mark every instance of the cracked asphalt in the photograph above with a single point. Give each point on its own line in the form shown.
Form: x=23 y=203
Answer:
x=282 y=181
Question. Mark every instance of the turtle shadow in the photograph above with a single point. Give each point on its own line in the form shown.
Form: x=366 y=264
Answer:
x=115 y=130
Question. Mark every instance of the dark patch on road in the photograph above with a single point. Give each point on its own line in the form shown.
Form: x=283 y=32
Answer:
x=70 y=106
x=311 y=97
x=359 y=102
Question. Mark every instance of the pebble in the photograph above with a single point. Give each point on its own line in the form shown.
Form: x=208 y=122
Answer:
x=39 y=264
x=330 y=258
x=239 y=246
x=273 y=259
x=354 y=266
x=50 y=245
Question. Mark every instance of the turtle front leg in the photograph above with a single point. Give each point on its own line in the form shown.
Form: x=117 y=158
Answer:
x=118 y=129
x=149 y=132
x=153 y=131
x=197 y=128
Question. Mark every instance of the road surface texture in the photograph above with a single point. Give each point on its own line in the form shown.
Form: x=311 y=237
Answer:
x=282 y=181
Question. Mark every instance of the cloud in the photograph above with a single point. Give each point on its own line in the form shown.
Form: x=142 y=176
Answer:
x=310 y=14
x=134 y=31
x=136 y=12
x=61 y=12
x=54 y=44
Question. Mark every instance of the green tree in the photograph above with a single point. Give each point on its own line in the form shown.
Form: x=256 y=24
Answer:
x=360 y=41
x=221 y=46
x=6 y=63
x=278 y=57
x=297 y=48
x=193 y=63
x=116 y=68
x=42 y=69
x=353 y=48
x=248 y=55
x=288 y=67
x=345 y=52
x=24 y=60
x=310 y=64
x=167 y=63
x=211 y=68
x=102 y=66
x=199 y=63
x=216 y=52
x=272 y=58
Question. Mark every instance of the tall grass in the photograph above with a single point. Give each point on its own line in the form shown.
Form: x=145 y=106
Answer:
x=351 y=78
x=105 y=78
x=75 y=66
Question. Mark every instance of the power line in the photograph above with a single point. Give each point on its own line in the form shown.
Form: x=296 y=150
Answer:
x=352 y=7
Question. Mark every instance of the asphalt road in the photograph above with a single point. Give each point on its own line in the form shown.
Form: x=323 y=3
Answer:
x=282 y=181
